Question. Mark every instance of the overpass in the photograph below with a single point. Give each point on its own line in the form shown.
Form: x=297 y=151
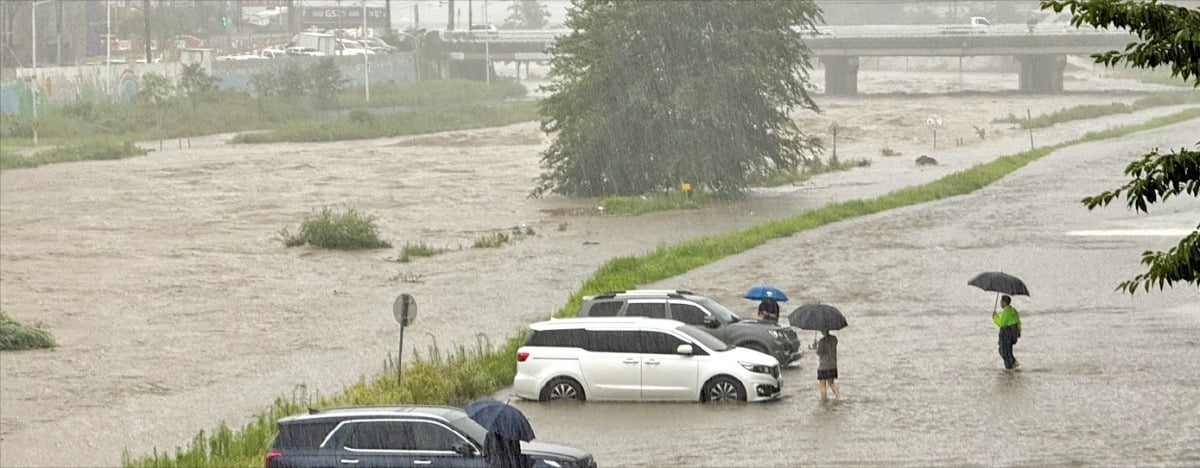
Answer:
x=1040 y=49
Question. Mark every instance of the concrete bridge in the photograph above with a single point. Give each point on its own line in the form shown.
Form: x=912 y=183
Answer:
x=1041 y=50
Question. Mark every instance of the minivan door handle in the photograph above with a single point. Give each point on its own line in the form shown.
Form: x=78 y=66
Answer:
x=630 y=361
x=349 y=461
x=652 y=362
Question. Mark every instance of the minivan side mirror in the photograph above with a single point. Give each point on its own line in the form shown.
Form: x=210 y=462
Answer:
x=684 y=349
x=711 y=322
x=464 y=449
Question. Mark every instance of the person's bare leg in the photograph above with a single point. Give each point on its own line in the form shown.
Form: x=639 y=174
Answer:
x=821 y=388
x=837 y=392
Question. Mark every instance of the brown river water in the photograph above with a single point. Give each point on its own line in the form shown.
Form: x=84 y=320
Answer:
x=176 y=307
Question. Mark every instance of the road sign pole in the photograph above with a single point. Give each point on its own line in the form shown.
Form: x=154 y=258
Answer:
x=400 y=357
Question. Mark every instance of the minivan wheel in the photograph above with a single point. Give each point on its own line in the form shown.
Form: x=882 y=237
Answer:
x=562 y=389
x=723 y=390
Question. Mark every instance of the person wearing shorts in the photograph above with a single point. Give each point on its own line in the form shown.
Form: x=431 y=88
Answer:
x=827 y=372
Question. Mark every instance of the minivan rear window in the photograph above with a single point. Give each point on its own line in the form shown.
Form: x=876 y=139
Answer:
x=572 y=338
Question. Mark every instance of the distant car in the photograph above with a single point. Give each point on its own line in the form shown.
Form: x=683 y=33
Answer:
x=304 y=51
x=706 y=314
x=273 y=53
x=378 y=45
x=638 y=359
x=397 y=436
x=484 y=28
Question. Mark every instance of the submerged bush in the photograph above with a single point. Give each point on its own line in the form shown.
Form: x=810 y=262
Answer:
x=347 y=230
x=14 y=336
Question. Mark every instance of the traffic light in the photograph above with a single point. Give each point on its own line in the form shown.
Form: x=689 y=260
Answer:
x=224 y=21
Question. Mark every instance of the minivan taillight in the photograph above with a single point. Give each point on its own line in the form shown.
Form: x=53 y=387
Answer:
x=271 y=455
x=522 y=356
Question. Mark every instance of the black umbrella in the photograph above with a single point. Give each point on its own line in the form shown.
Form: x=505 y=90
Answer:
x=501 y=418
x=817 y=317
x=999 y=283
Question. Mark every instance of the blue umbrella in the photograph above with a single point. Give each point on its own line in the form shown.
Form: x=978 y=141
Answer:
x=501 y=418
x=759 y=293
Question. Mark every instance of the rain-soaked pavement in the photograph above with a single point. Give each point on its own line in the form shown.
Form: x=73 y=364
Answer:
x=1106 y=380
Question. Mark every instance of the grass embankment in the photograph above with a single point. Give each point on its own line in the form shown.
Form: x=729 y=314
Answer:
x=468 y=374
x=363 y=125
x=427 y=107
x=1092 y=111
x=94 y=151
x=15 y=336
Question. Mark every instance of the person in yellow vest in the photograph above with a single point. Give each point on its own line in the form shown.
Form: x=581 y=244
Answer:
x=1009 y=321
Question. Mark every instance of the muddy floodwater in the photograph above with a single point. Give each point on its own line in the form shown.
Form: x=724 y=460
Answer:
x=1106 y=379
x=176 y=306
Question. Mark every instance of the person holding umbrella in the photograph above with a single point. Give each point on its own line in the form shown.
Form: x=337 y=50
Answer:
x=1009 y=322
x=770 y=297
x=822 y=317
x=827 y=373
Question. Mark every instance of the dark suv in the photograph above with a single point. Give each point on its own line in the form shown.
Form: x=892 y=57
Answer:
x=693 y=309
x=396 y=436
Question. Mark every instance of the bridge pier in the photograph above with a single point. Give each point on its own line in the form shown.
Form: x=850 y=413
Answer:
x=841 y=75
x=1041 y=73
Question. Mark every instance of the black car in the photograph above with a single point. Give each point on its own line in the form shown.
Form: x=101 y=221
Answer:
x=397 y=436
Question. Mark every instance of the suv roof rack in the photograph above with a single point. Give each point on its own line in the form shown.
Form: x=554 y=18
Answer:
x=608 y=294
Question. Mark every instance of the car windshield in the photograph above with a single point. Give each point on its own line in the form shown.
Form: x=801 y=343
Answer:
x=703 y=338
x=718 y=310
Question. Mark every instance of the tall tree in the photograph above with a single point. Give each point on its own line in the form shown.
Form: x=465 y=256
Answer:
x=527 y=14
x=1167 y=36
x=648 y=95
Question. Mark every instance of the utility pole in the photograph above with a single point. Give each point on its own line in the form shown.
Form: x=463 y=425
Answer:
x=387 y=16
x=146 y=21
x=470 y=15
x=108 y=47
x=450 y=16
x=291 y=6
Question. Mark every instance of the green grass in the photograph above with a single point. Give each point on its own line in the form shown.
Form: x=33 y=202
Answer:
x=15 y=336
x=331 y=229
x=358 y=127
x=419 y=249
x=1091 y=111
x=467 y=374
x=93 y=151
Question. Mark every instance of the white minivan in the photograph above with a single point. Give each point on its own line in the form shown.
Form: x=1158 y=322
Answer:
x=637 y=358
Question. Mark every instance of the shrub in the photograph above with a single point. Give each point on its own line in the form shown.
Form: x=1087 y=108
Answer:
x=418 y=250
x=887 y=151
x=15 y=336
x=347 y=230
x=491 y=241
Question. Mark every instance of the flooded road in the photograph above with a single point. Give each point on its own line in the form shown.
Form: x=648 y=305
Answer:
x=1106 y=379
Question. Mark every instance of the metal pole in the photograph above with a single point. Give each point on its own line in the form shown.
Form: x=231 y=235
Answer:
x=33 y=18
x=108 y=46
x=58 y=31
x=366 y=62
x=400 y=357
x=146 y=20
